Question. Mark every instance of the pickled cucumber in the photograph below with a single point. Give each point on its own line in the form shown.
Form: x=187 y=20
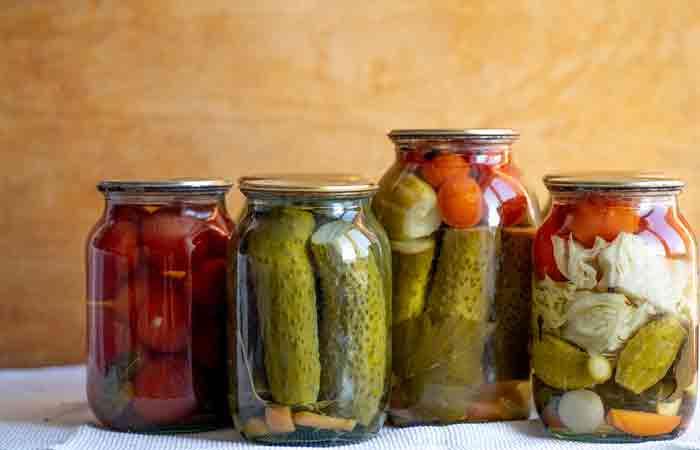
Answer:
x=649 y=354
x=284 y=285
x=411 y=262
x=353 y=322
x=512 y=305
x=406 y=206
x=559 y=364
x=464 y=280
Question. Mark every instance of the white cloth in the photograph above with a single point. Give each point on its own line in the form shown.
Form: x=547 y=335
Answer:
x=46 y=409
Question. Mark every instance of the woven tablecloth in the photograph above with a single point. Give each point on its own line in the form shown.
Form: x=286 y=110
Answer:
x=44 y=409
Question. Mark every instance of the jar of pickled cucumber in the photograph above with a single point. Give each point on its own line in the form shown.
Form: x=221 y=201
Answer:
x=461 y=224
x=156 y=293
x=614 y=320
x=309 y=316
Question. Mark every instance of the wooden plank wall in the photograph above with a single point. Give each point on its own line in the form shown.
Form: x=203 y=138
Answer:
x=107 y=89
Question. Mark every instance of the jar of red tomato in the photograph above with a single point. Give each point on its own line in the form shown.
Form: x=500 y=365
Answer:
x=614 y=321
x=156 y=299
x=461 y=224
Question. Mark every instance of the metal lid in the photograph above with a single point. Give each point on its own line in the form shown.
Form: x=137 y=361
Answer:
x=478 y=135
x=612 y=181
x=183 y=185
x=330 y=185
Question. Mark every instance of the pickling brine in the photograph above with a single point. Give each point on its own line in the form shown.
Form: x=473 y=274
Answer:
x=310 y=349
x=614 y=320
x=461 y=224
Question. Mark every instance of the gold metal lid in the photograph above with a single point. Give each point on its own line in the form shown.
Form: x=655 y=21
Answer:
x=176 y=185
x=477 y=135
x=612 y=181
x=312 y=185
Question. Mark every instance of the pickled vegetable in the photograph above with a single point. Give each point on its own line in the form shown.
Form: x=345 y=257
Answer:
x=648 y=355
x=412 y=262
x=353 y=323
x=407 y=208
x=561 y=364
x=463 y=283
x=581 y=411
x=513 y=305
x=639 y=423
x=321 y=422
x=284 y=284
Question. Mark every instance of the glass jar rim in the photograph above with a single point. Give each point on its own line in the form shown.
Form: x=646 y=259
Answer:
x=174 y=185
x=307 y=185
x=475 y=135
x=612 y=181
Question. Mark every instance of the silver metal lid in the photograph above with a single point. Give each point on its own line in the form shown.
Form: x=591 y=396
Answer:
x=326 y=185
x=182 y=185
x=478 y=135
x=612 y=181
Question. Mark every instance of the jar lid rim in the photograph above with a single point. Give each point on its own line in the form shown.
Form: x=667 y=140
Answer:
x=612 y=181
x=182 y=185
x=307 y=184
x=490 y=135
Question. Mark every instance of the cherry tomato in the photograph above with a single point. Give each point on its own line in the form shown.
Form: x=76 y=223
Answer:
x=167 y=236
x=443 y=167
x=460 y=202
x=605 y=218
x=544 y=261
x=508 y=195
x=163 y=391
x=164 y=318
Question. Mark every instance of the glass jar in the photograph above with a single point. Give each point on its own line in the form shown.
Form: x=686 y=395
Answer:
x=310 y=312
x=156 y=299
x=461 y=224
x=614 y=345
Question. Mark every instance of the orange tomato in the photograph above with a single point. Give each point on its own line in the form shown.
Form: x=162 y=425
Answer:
x=596 y=217
x=460 y=202
x=443 y=167
x=640 y=423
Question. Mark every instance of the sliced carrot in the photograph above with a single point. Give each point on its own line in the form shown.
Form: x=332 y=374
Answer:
x=254 y=427
x=460 y=202
x=594 y=217
x=640 y=423
x=443 y=167
x=279 y=419
x=309 y=419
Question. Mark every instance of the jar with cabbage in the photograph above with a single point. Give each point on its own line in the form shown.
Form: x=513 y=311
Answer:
x=614 y=320
x=309 y=312
x=461 y=224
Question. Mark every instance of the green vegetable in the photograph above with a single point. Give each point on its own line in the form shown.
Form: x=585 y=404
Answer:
x=406 y=206
x=648 y=355
x=560 y=364
x=513 y=305
x=412 y=261
x=354 y=328
x=464 y=278
x=284 y=286
x=116 y=390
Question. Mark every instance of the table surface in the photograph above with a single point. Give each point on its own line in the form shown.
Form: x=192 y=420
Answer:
x=46 y=408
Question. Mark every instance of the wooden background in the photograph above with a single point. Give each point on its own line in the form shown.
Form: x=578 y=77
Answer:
x=159 y=88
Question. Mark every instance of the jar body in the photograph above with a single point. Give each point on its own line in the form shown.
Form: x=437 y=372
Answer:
x=614 y=345
x=461 y=225
x=156 y=291
x=309 y=322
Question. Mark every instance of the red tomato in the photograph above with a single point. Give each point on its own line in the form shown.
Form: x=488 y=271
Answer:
x=163 y=391
x=663 y=226
x=460 y=201
x=602 y=217
x=132 y=294
x=164 y=318
x=208 y=338
x=107 y=337
x=507 y=195
x=443 y=167
x=113 y=253
x=167 y=238
x=413 y=157
x=544 y=262
x=209 y=283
